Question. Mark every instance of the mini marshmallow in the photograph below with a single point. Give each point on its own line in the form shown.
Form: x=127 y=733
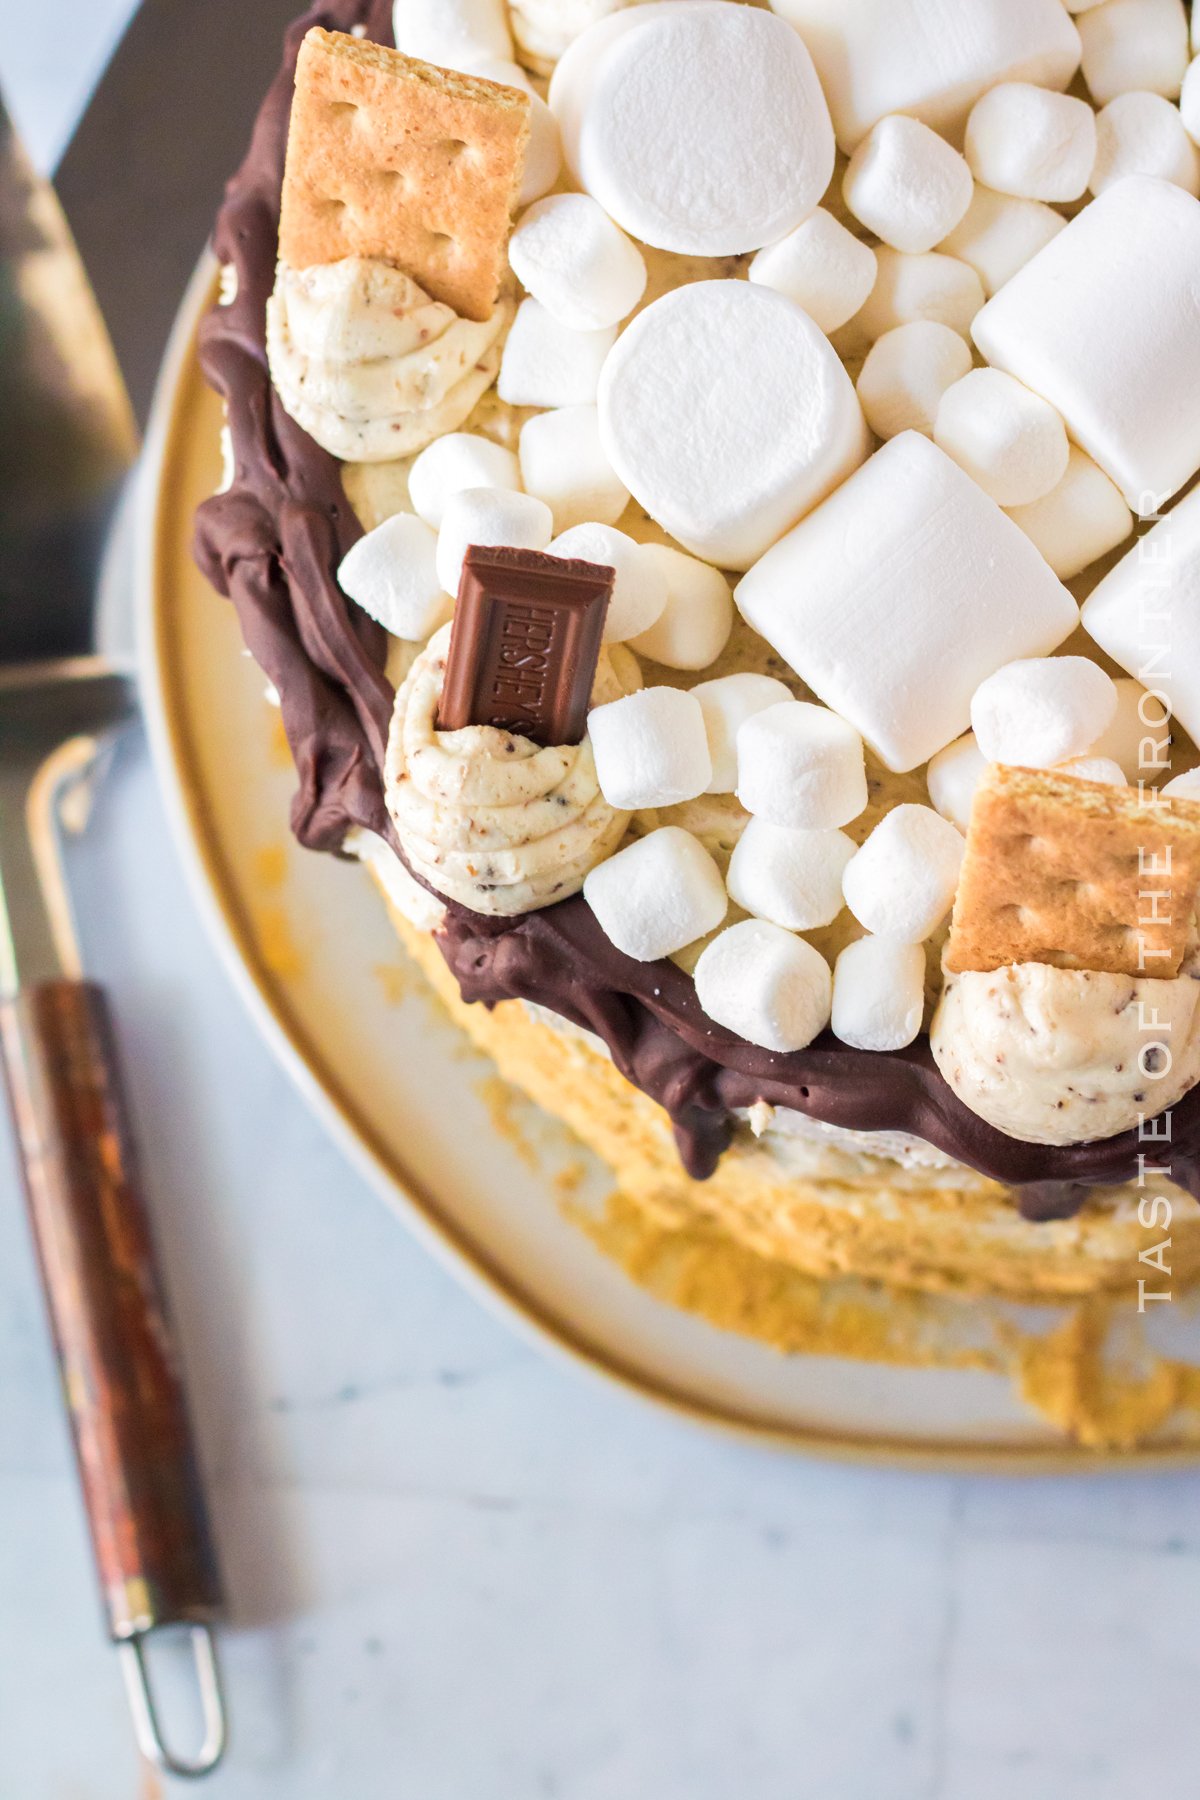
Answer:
x=901 y=882
x=543 y=152
x=639 y=588
x=792 y=878
x=1093 y=768
x=454 y=34
x=1139 y=736
x=1029 y=142
x=953 y=776
x=999 y=234
x=727 y=414
x=933 y=286
x=1078 y=521
x=821 y=266
x=1143 y=134
x=771 y=988
x=1134 y=44
x=650 y=749
x=659 y=894
x=800 y=765
x=1187 y=784
x=392 y=574
x=454 y=462
x=900 y=594
x=1114 y=341
x=582 y=268
x=545 y=363
x=694 y=626
x=1007 y=439
x=1189 y=101
x=906 y=373
x=726 y=703
x=907 y=185
x=1043 y=710
x=488 y=516
x=878 y=994
x=563 y=463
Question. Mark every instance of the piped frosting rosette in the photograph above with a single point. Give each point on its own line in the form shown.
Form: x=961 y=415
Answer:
x=489 y=819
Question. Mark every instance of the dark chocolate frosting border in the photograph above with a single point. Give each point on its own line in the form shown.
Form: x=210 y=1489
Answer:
x=272 y=544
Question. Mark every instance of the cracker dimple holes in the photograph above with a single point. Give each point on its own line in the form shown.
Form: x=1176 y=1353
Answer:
x=439 y=244
x=452 y=148
x=331 y=205
x=344 y=110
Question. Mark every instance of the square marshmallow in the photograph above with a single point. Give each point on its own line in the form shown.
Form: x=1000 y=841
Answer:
x=907 y=185
x=651 y=749
x=657 y=895
x=545 y=363
x=563 y=463
x=821 y=266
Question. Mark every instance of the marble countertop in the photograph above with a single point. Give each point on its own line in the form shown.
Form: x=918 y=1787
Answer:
x=460 y=1572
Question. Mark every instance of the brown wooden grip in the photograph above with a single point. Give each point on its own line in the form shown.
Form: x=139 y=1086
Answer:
x=120 y=1374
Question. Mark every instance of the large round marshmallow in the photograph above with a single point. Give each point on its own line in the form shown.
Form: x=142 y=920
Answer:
x=1138 y=738
x=907 y=185
x=1042 y=710
x=569 y=255
x=563 y=463
x=878 y=994
x=653 y=752
x=727 y=415
x=1027 y=141
x=821 y=266
x=1116 y=350
x=1143 y=134
x=639 y=586
x=659 y=894
x=545 y=363
x=454 y=462
x=792 y=878
x=906 y=373
x=769 y=987
x=392 y=574
x=800 y=765
x=1134 y=44
x=953 y=776
x=694 y=625
x=488 y=516
x=1081 y=519
x=936 y=287
x=685 y=157
x=1006 y=438
x=901 y=882
x=999 y=234
x=726 y=703
x=454 y=34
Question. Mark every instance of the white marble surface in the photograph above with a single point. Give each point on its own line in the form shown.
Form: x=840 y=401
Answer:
x=459 y=1572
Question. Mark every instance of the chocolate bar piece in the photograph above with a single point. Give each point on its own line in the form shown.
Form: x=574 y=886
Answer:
x=525 y=642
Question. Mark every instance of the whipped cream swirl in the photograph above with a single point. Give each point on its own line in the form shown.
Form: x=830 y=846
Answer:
x=369 y=365
x=486 y=817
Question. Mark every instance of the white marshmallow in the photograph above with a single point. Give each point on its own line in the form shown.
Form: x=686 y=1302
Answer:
x=1146 y=611
x=900 y=594
x=545 y=363
x=1139 y=736
x=821 y=266
x=1078 y=521
x=1189 y=101
x=563 y=463
x=792 y=878
x=801 y=766
x=660 y=893
x=1027 y=141
x=1185 y=786
x=906 y=373
x=1006 y=438
x=650 y=749
x=488 y=516
x=571 y=257
x=901 y=882
x=769 y=987
x=878 y=994
x=454 y=462
x=1130 y=44
x=1078 y=6
x=543 y=152
x=953 y=776
x=726 y=703
x=931 y=58
x=639 y=588
x=727 y=414
x=907 y=185
x=1044 y=710
x=933 y=286
x=454 y=34
x=1115 y=348
x=392 y=574
x=694 y=625
x=999 y=234
x=1143 y=134
x=1093 y=768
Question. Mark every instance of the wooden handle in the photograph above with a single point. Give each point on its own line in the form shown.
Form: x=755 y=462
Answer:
x=120 y=1375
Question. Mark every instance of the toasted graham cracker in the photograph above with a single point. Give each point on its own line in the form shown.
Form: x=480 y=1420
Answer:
x=1076 y=874
x=393 y=158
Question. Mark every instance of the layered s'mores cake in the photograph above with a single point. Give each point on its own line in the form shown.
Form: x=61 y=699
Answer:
x=712 y=486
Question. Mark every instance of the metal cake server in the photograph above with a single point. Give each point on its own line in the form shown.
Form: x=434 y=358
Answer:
x=66 y=445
